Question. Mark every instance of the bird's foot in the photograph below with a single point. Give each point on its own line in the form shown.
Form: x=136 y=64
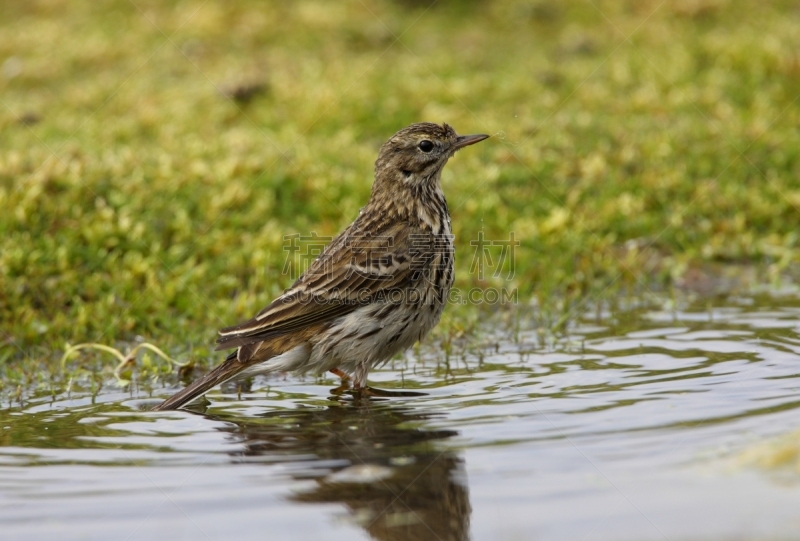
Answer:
x=366 y=392
x=341 y=389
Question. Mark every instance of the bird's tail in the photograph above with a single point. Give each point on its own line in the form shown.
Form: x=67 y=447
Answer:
x=220 y=374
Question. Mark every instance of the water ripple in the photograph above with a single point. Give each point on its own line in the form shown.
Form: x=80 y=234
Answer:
x=636 y=425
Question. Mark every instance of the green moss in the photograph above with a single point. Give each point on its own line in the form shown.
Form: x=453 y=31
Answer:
x=140 y=201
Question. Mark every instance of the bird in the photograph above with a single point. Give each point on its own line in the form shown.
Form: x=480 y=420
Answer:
x=378 y=288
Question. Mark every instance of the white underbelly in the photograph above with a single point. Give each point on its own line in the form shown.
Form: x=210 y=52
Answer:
x=370 y=335
x=367 y=336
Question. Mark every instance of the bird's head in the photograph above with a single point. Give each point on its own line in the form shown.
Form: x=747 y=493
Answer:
x=416 y=155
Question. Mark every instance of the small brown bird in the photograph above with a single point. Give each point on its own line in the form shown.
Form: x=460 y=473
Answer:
x=376 y=289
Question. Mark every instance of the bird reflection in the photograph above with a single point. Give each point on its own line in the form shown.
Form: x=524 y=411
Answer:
x=396 y=478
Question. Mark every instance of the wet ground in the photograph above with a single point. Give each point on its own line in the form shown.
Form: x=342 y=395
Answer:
x=661 y=423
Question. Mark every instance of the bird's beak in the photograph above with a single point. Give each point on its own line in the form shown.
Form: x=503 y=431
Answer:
x=467 y=140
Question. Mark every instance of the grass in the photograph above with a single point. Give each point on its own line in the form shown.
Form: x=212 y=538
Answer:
x=154 y=155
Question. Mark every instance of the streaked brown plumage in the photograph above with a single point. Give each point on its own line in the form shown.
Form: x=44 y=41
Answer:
x=375 y=290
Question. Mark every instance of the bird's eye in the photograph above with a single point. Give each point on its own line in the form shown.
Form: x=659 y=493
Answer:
x=425 y=146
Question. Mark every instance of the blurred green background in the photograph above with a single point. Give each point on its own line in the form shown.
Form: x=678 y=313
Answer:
x=153 y=155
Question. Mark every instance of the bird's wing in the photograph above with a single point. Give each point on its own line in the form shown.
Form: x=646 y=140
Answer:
x=350 y=272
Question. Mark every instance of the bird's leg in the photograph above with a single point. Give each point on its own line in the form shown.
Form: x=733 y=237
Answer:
x=360 y=377
x=344 y=385
x=340 y=373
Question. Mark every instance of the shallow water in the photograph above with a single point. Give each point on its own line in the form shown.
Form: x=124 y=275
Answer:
x=637 y=425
